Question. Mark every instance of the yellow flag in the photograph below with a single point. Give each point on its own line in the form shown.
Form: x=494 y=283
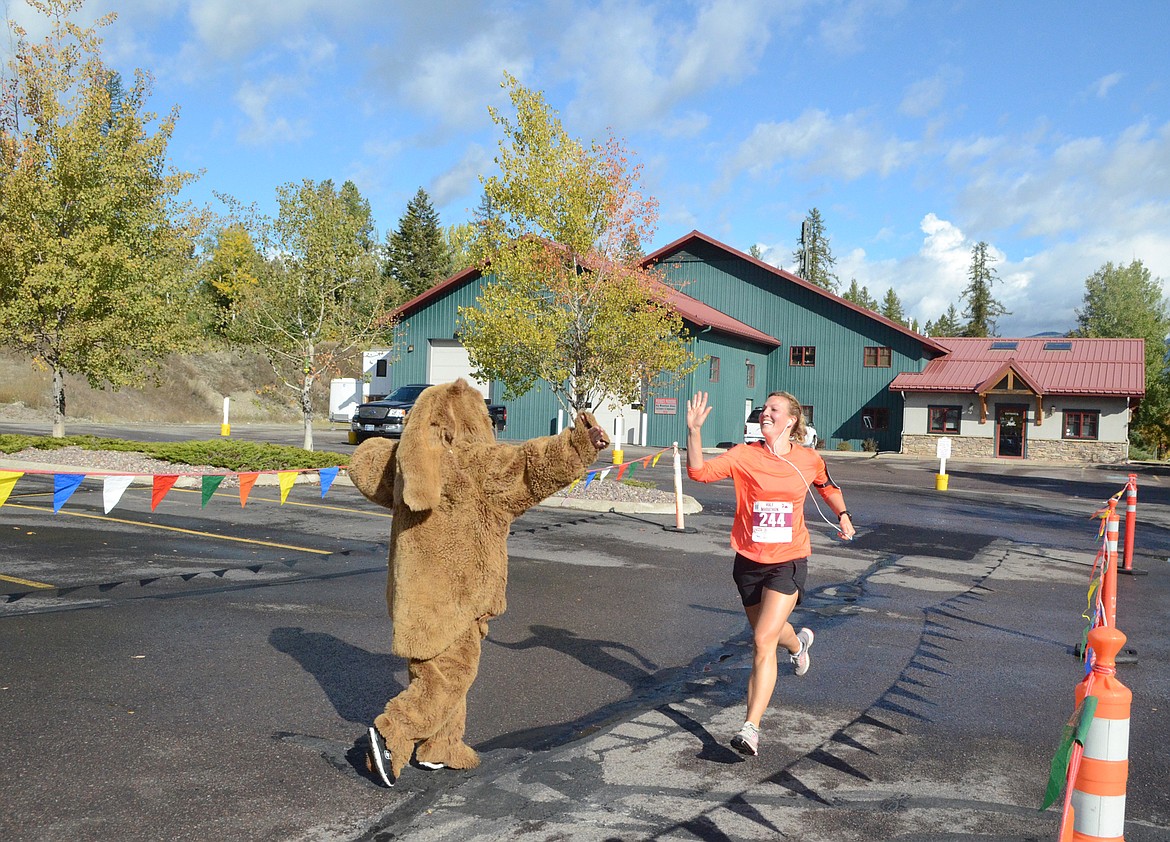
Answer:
x=7 y=483
x=287 y=478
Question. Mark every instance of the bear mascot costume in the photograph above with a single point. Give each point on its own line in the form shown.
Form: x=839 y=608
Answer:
x=454 y=491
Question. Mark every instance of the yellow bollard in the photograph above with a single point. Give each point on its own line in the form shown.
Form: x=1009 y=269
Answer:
x=352 y=437
x=940 y=482
x=225 y=429
x=617 y=456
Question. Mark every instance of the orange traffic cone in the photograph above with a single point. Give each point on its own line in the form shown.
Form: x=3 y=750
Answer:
x=1098 y=797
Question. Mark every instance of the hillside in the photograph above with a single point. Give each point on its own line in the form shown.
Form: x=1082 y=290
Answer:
x=191 y=391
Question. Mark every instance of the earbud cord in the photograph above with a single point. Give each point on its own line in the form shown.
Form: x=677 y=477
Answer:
x=811 y=496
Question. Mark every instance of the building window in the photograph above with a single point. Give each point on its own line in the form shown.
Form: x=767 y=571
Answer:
x=1081 y=423
x=803 y=355
x=944 y=419
x=877 y=357
x=380 y=368
x=875 y=418
x=713 y=371
x=751 y=376
x=807 y=411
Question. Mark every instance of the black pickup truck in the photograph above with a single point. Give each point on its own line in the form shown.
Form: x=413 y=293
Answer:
x=385 y=417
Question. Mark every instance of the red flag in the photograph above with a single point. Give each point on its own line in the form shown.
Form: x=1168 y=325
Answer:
x=162 y=484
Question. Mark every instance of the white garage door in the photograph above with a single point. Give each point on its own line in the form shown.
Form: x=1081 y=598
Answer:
x=448 y=361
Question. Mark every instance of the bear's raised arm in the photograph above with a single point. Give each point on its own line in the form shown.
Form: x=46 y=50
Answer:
x=372 y=470
x=523 y=475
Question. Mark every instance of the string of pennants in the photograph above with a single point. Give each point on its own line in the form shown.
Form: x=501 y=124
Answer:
x=115 y=484
x=624 y=471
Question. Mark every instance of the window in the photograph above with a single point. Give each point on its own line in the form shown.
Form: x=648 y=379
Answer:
x=875 y=418
x=1081 y=423
x=803 y=355
x=944 y=419
x=751 y=376
x=380 y=368
x=877 y=357
x=713 y=371
x=1057 y=346
x=1010 y=345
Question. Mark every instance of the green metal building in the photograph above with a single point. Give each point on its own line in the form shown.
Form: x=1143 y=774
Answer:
x=758 y=329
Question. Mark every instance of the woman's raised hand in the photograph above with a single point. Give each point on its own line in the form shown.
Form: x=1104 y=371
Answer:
x=697 y=411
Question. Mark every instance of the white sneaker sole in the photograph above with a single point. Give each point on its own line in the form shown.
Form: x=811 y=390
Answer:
x=378 y=759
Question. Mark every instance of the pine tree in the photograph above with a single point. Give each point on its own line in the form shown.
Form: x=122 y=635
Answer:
x=947 y=324
x=892 y=308
x=814 y=258
x=859 y=295
x=982 y=309
x=417 y=255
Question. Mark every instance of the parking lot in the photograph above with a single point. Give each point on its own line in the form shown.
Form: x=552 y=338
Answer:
x=208 y=672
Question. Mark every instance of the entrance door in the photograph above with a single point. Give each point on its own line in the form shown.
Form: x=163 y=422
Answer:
x=1010 y=430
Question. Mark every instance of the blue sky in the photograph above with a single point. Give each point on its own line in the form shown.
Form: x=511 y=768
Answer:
x=917 y=128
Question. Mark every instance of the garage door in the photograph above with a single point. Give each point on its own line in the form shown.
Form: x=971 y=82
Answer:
x=448 y=361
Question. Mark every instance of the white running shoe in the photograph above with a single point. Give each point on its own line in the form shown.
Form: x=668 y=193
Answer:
x=801 y=660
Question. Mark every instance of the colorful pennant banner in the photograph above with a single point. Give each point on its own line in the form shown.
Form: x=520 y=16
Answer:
x=114 y=485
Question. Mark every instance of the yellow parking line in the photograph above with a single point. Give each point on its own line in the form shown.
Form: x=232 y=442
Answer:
x=172 y=529
x=28 y=583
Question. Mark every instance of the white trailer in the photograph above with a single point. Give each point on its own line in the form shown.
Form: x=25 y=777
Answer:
x=345 y=393
x=376 y=373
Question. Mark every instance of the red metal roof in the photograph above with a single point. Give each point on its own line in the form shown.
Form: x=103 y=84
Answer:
x=1087 y=367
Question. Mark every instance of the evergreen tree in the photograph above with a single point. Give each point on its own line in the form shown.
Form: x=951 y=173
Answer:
x=892 y=308
x=814 y=258
x=359 y=208
x=756 y=252
x=417 y=255
x=859 y=295
x=982 y=308
x=946 y=325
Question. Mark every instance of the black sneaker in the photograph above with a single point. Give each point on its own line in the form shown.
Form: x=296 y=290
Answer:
x=378 y=757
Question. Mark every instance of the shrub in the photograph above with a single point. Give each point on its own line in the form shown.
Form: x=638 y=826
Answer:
x=844 y=445
x=870 y=446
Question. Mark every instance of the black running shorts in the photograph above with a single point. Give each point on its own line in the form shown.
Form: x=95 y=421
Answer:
x=751 y=578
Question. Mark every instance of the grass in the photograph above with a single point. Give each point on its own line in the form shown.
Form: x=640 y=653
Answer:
x=216 y=453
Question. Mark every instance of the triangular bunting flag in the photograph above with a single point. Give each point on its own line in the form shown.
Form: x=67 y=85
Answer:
x=112 y=490
x=589 y=477
x=657 y=456
x=287 y=478
x=574 y=484
x=7 y=483
x=162 y=484
x=604 y=474
x=327 y=477
x=633 y=467
x=622 y=471
x=210 y=485
x=646 y=462
x=63 y=487
x=246 y=482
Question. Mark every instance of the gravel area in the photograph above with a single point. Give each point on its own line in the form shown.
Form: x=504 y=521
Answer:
x=112 y=461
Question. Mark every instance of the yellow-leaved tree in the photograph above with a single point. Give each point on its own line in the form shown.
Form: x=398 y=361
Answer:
x=568 y=302
x=95 y=250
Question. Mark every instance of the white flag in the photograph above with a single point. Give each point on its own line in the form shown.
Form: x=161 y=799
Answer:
x=112 y=490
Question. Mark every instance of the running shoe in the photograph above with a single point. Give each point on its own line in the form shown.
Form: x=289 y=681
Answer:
x=801 y=660
x=378 y=757
x=747 y=741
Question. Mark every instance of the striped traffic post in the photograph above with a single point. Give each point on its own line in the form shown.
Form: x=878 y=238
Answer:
x=1109 y=577
x=1098 y=794
x=1131 y=496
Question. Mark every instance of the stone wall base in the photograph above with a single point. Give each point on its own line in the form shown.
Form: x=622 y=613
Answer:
x=1095 y=452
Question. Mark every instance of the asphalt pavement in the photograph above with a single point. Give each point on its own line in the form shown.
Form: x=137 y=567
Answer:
x=942 y=674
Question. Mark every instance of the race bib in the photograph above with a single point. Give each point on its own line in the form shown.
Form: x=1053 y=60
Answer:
x=772 y=523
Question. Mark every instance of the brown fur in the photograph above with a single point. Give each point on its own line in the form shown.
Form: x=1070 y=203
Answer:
x=454 y=492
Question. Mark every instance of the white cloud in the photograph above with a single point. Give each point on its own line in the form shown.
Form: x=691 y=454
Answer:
x=1102 y=86
x=263 y=128
x=926 y=96
x=462 y=180
x=843 y=31
x=817 y=144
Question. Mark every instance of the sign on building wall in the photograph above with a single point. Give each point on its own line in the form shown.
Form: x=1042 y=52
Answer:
x=666 y=406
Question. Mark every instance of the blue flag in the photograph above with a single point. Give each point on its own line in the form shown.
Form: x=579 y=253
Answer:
x=327 y=477
x=63 y=487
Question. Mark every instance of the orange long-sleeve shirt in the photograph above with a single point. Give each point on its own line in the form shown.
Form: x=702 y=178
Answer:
x=769 y=522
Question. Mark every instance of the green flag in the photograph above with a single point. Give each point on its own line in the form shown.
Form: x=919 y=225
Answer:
x=210 y=483
x=1075 y=730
